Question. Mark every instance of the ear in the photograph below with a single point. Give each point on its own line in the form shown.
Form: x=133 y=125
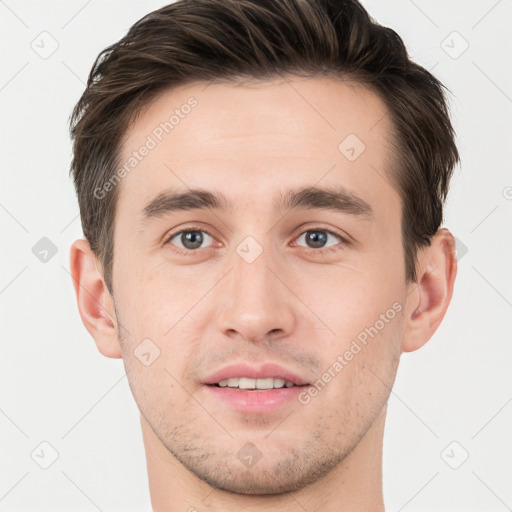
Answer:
x=95 y=304
x=429 y=297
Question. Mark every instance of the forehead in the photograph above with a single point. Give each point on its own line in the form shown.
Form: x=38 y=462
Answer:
x=255 y=137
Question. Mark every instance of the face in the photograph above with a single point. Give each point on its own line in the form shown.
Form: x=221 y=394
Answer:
x=266 y=283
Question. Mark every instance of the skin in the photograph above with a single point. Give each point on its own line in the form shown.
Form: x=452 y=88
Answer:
x=210 y=308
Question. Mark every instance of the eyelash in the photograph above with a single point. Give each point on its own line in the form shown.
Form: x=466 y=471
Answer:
x=309 y=251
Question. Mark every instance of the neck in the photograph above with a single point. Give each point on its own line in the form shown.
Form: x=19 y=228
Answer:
x=355 y=485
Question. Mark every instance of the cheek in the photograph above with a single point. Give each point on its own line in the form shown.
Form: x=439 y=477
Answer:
x=158 y=333
x=153 y=299
x=349 y=300
x=360 y=367
x=157 y=392
x=363 y=353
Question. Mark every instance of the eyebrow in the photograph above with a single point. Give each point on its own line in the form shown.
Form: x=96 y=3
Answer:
x=336 y=199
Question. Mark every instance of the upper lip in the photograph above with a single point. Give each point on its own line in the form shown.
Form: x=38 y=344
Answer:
x=264 y=371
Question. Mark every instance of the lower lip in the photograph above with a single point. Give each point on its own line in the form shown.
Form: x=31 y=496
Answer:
x=255 y=401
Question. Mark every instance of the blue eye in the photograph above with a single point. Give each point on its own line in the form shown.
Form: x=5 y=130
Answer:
x=318 y=238
x=191 y=239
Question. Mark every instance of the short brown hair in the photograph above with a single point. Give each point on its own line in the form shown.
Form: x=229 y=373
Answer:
x=202 y=40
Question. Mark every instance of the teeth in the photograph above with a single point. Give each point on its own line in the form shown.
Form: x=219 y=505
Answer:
x=265 y=383
x=279 y=383
x=246 y=383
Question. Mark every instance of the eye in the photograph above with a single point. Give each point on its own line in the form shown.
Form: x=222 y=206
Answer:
x=187 y=241
x=317 y=239
x=190 y=239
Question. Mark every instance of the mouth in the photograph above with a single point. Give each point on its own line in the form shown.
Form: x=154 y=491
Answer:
x=249 y=384
x=246 y=389
x=245 y=376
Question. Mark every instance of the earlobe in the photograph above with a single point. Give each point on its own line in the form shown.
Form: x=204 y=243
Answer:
x=428 y=299
x=95 y=304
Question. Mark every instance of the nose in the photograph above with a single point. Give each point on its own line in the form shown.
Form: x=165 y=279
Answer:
x=257 y=303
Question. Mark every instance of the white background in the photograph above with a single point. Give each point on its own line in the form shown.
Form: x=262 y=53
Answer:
x=56 y=387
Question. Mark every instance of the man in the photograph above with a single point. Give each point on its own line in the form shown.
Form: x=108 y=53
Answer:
x=261 y=187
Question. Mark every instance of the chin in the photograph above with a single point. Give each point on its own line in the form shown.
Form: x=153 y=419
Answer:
x=265 y=477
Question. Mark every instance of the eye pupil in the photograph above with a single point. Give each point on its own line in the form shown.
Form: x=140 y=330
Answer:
x=194 y=237
x=318 y=238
